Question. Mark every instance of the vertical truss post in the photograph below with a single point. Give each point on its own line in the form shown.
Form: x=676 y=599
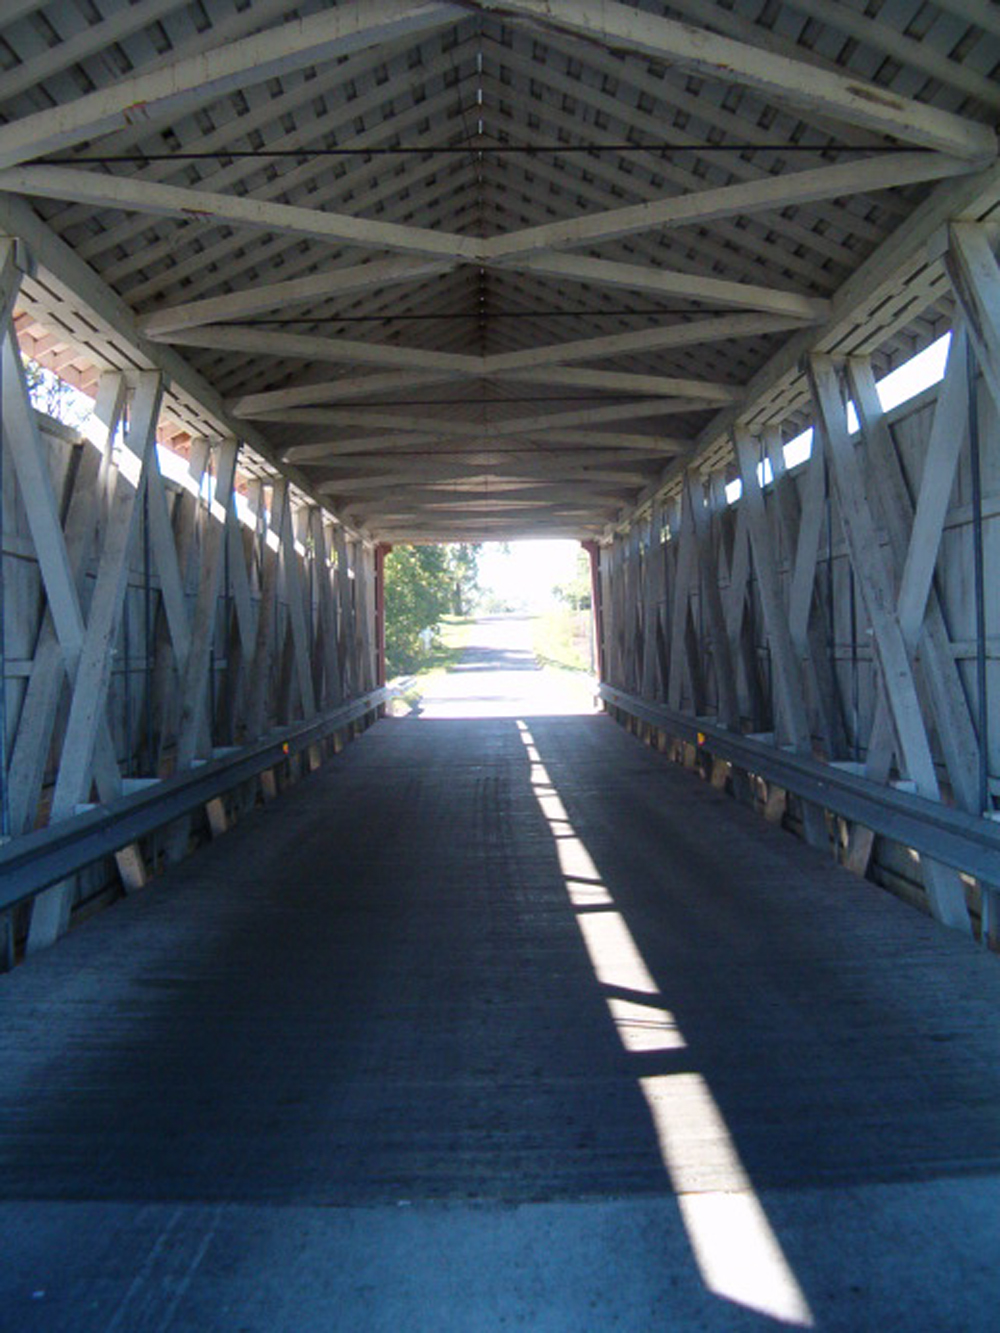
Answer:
x=920 y=616
x=295 y=592
x=975 y=277
x=728 y=704
x=596 y=606
x=381 y=551
x=327 y=625
x=87 y=714
x=36 y=724
x=652 y=578
x=791 y=705
x=810 y=646
x=944 y=888
x=366 y=617
x=193 y=668
x=345 y=615
x=684 y=574
x=262 y=661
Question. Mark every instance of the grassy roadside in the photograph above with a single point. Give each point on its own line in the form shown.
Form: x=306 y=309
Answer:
x=451 y=640
x=561 y=638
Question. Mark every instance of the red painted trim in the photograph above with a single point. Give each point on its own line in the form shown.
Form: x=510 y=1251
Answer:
x=596 y=605
x=381 y=551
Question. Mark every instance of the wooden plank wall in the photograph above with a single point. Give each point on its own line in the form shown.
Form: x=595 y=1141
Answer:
x=662 y=638
x=214 y=633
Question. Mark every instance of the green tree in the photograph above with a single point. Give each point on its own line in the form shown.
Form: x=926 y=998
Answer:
x=463 y=559
x=575 y=592
x=422 y=584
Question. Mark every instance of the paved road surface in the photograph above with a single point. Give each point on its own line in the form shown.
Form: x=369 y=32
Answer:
x=501 y=1024
x=499 y=676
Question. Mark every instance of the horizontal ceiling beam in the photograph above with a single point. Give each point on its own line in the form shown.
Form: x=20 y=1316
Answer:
x=309 y=347
x=670 y=283
x=701 y=206
x=437 y=367
x=619 y=28
x=579 y=442
x=505 y=470
x=694 y=333
x=773 y=192
x=105 y=191
x=625 y=382
x=269 y=297
x=455 y=428
x=516 y=458
x=338 y=390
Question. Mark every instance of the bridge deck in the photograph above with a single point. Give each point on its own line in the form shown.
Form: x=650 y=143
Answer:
x=501 y=1023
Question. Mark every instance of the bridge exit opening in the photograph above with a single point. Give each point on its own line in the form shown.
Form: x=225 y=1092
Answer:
x=490 y=629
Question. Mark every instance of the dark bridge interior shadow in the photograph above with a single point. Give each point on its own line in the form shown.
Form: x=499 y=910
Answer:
x=404 y=980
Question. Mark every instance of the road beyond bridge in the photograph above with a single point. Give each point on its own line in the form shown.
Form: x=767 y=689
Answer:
x=501 y=1023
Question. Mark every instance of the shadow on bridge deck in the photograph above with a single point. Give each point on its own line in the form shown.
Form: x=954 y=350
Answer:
x=501 y=1023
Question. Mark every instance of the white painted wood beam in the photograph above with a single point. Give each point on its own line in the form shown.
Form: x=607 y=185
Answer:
x=41 y=508
x=631 y=80
x=521 y=496
x=696 y=208
x=269 y=297
x=862 y=299
x=95 y=37
x=330 y=694
x=194 y=669
x=50 y=665
x=312 y=106
x=105 y=191
x=684 y=575
x=875 y=586
x=324 y=450
x=918 y=608
x=626 y=382
x=787 y=674
x=339 y=390
x=910 y=52
x=454 y=427
x=473 y=475
x=308 y=347
x=13 y=263
x=341 y=350
x=561 y=462
x=580 y=443
x=271 y=519
x=671 y=283
x=94 y=668
x=183 y=84
x=658 y=446
x=975 y=276
x=69 y=279
x=291 y=572
x=690 y=333
x=190 y=276
x=620 y=28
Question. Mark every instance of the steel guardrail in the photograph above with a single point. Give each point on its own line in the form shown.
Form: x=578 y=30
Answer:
x=32 y=862
x=940 y=832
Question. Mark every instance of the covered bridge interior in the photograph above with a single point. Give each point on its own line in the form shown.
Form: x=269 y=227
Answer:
x=342 y=276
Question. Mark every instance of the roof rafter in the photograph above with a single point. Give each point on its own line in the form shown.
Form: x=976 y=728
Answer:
x=619 y=28
x=299 y=291
x=190 y=81
x=107 y=191
x=772 y=192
